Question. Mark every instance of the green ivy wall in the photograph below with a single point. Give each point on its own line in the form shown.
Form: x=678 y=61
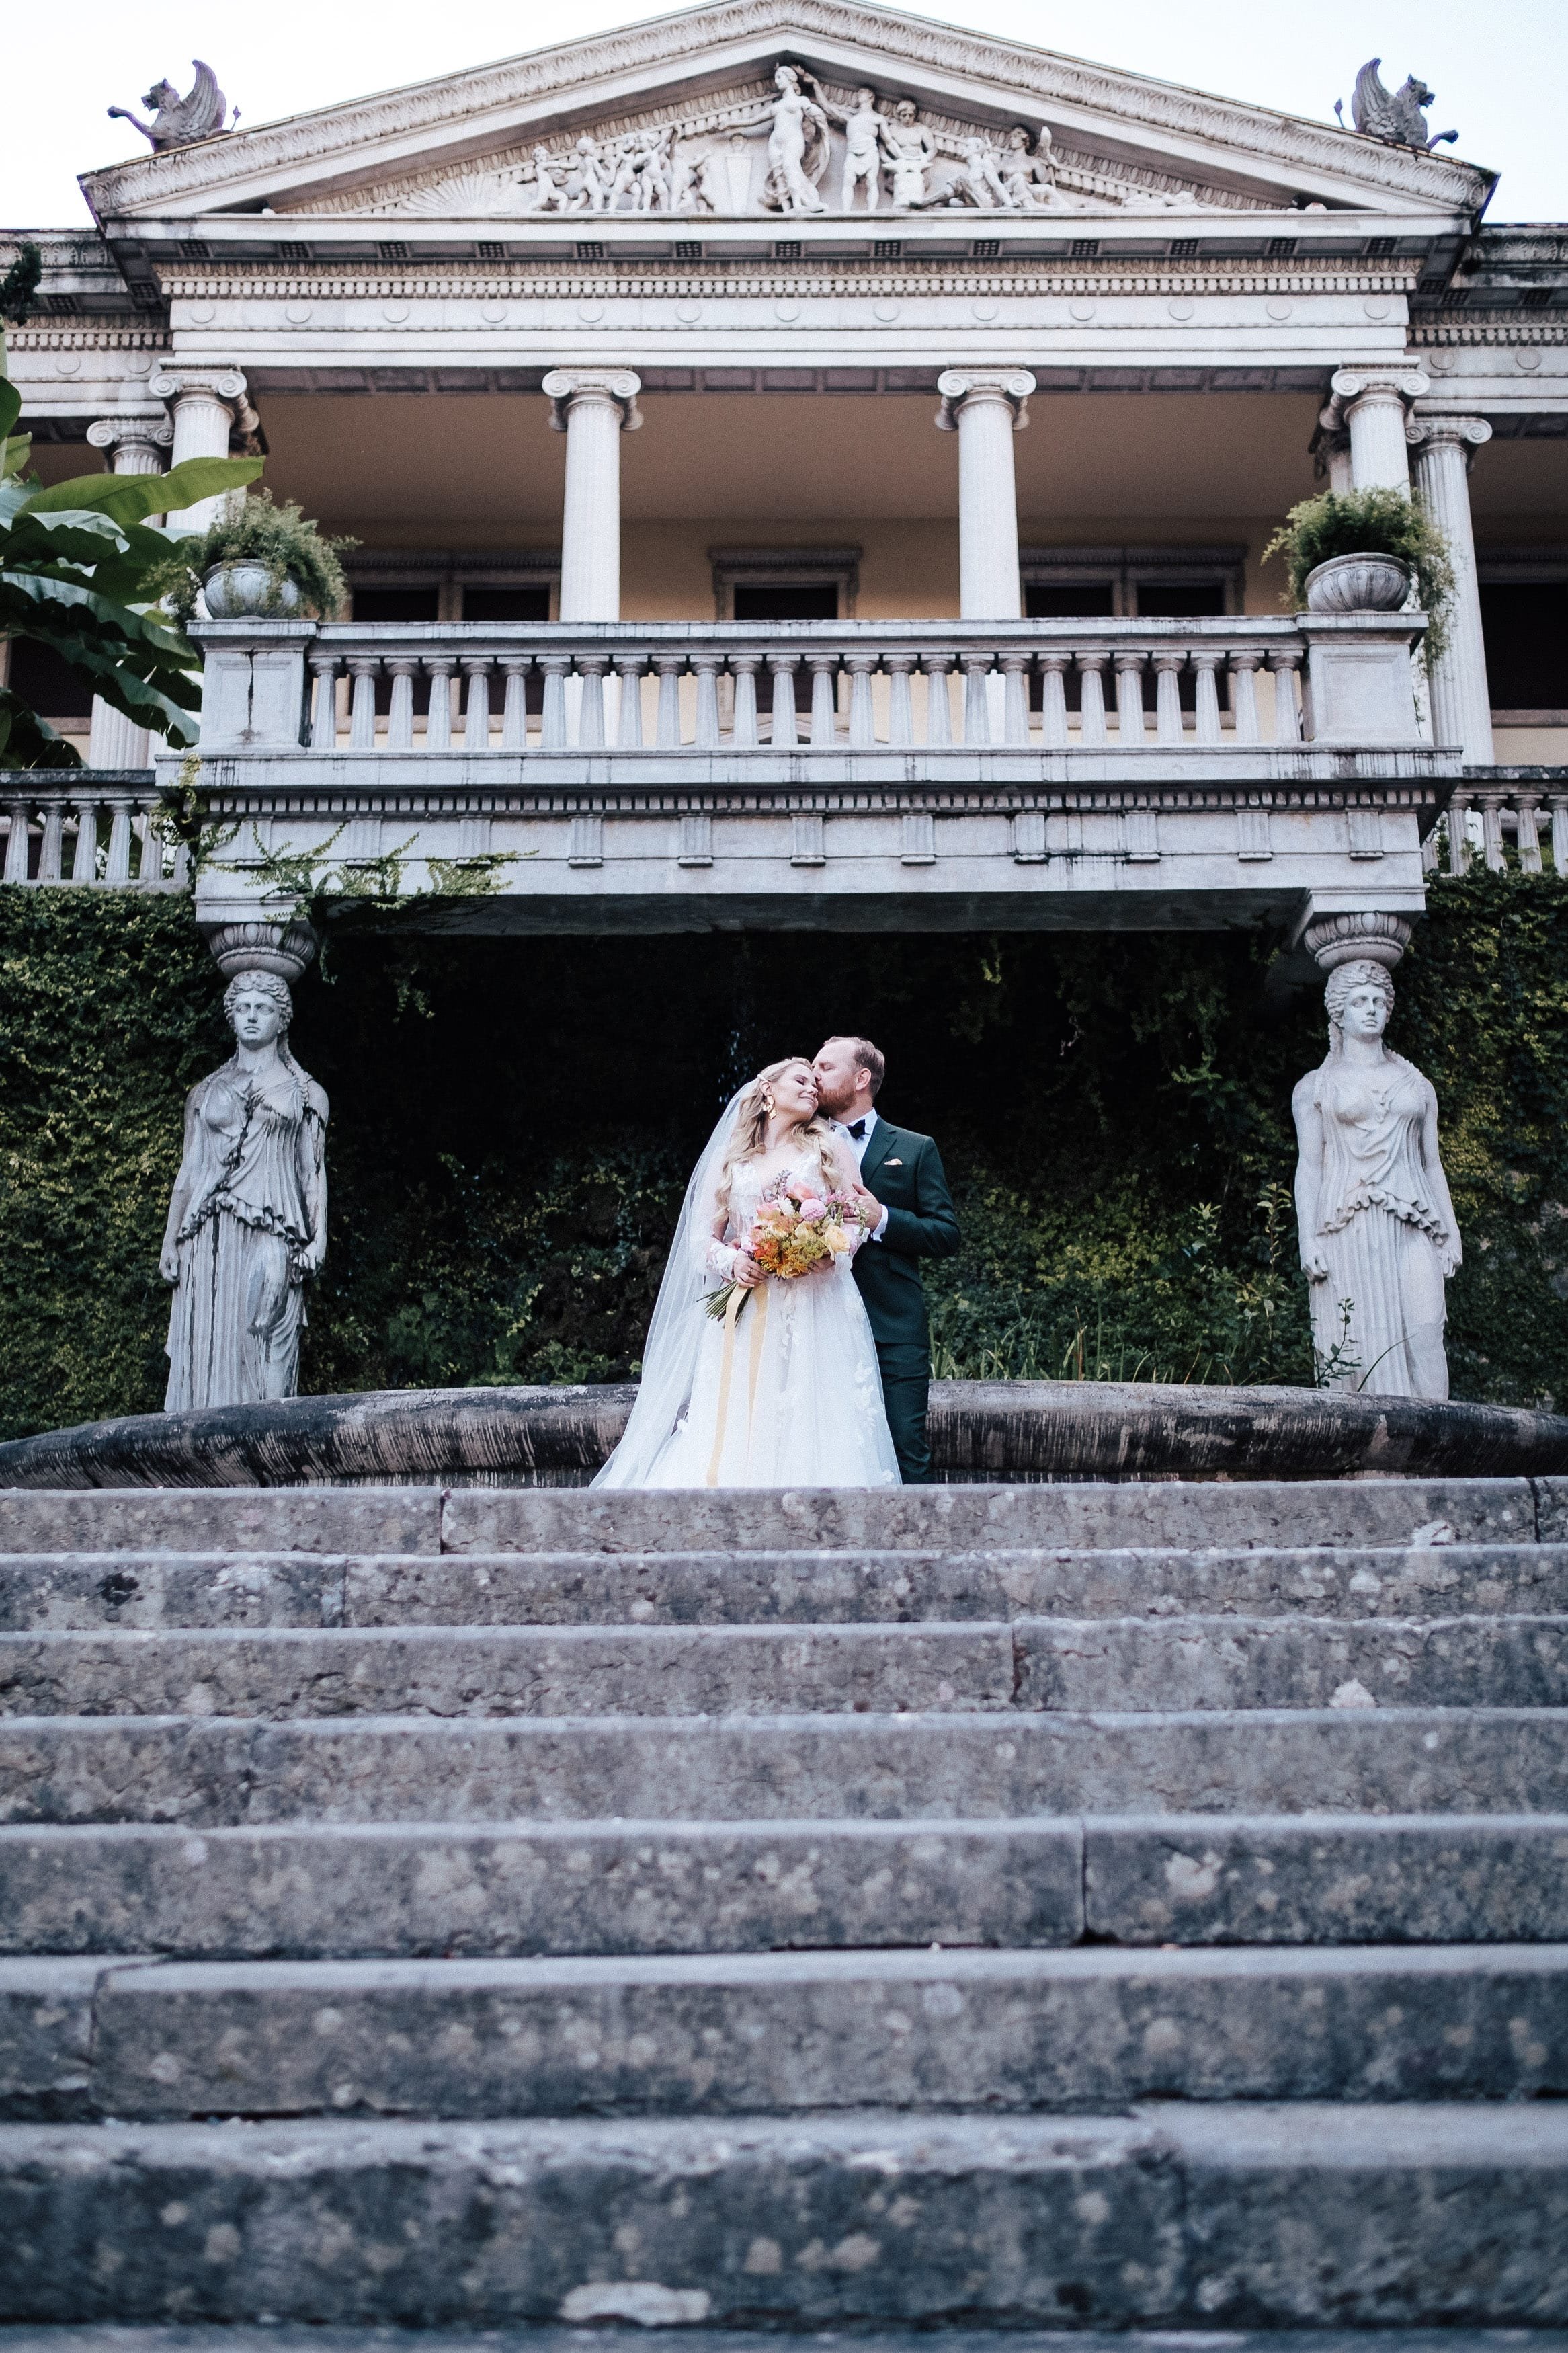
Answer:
x=512 y=1122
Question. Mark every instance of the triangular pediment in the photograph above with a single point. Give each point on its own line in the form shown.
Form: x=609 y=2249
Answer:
x=675 y=114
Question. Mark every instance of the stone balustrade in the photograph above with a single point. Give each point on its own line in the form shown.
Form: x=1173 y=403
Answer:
x=1095 y=686
x=88 y=827
x=1503 y=818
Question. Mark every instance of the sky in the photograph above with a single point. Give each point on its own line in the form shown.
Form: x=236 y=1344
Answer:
x=1500 y=72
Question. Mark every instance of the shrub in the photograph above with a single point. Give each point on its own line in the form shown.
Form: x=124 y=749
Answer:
x=259 y=531
x=1369 y=522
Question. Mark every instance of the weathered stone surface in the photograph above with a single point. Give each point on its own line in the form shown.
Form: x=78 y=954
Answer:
x=222 y=1519
x=318 y=1889
x=984 y=1430
x=45 y=2039
x=1180 y=2214
x=1164 y=1513
x=786 y=2032
x=149 y=1589
x=212 y=1772
x=508 y=1670
x=1328 y=1878
x=1230 y=1662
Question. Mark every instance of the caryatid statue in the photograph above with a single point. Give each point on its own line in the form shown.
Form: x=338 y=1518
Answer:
x=1378 y=1234
x=247 y=1220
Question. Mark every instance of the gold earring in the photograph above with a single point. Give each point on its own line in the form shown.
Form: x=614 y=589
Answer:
x=768 y=1106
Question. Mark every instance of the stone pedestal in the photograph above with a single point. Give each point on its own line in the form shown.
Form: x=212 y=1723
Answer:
x=593 y=407
x=1461 y=701
x=986 y=408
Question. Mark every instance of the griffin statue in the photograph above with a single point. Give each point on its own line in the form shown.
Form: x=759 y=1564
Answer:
x=1396 y=117
x=180 y=121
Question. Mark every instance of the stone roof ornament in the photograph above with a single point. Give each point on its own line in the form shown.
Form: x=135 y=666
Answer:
x=180 y=121
x=1395 y=117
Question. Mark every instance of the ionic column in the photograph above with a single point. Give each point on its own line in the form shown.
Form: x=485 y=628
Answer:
x=1330 y=451
x=1461 y=700
x=1373 y=402
x=208 y=406
x=135 y=445
x=593 y=406
x=986 y=407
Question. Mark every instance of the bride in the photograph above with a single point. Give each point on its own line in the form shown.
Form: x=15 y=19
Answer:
x=788 y=1394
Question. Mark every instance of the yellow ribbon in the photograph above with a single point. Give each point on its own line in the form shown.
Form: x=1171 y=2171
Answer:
x=727 y=1364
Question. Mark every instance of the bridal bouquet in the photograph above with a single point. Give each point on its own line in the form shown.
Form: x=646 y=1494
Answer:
x=794 y=1230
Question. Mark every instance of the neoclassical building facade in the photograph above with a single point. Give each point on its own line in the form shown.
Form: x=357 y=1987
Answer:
x=810 y=466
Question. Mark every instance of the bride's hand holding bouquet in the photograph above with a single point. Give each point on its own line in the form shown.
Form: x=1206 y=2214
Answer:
x=796 y=1230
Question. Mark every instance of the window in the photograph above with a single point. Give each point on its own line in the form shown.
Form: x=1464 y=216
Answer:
x=1525 y=626
x=42 y=678
x=397 y=603
x=528 y=601
x=786 y=600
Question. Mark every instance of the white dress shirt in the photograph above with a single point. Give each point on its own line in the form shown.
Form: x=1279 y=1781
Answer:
x=858 y=1146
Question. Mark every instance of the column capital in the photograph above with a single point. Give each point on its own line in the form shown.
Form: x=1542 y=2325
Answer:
x=1350 y=384
x=564 y=387
x=151 y=430
x=958 y=386
x=1465 y=433
x=178 y=380
x=283 y=948
x=1363 y=938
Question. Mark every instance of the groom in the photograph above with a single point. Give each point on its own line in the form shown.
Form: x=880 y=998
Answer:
x=912 y=1217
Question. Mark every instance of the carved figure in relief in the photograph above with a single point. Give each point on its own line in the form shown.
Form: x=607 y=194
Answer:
x=180 y=121
x=863 y=126
x=1377 y=1230
x=909 y=148
x=550 y=182
x=1397 y=117
x=247 y=1220
x=796 y=132
x=1029 y=180
x=588 y=180
x=654 y=160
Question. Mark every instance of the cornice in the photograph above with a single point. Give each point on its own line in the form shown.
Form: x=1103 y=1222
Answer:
x=1493 y=327
x=88 y=335
x=338 y=134
x=753 y=282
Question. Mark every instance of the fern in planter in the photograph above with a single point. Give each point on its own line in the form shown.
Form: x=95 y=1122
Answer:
x=1369 y=522
x=259 y=531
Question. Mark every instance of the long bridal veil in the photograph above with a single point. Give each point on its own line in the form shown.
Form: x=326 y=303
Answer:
x=675 y=1334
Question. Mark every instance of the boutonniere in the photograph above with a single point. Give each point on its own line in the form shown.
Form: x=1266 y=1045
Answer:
x=892 y=1163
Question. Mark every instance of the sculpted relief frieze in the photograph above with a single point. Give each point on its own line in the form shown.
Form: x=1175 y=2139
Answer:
x=794 y=144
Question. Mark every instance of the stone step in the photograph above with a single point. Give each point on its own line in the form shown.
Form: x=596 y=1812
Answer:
x=1179 y=2214
x=221 y=1772
x=283 y=2337
x=86 y=1591
x=1014 y=2033
x=1032 y=1664
x=398 y=1890
x=1190 y=1515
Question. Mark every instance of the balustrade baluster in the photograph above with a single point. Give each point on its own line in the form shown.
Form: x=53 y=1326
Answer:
x=1285 y=665
x=50 y=846
x=862 y=723
x=976 y=698
x=743 y=729
x=667 y=729
x=1206 y=664
x=117 y=869
x=900 y=698
x=150 y=873
x=514 y=704
x=1244 y=667
x=786 y=732
x=1490 y=806
x=553 y=733
x=707 y=669
x=1130 y=727
x=590 y=668
x=181 y=874
x=1458 y=836
x=16 y=841
x=362 y=669
x=438 y=713
x=1168 y=696
x=324 y=709
x=1015 y=699
x=1429 y=859
x=1091 y=698
x=824 y=706
x=400 y=716
x=1054 y=701
x=939 y=706
x=629 y=669
x=84 y=857
x=1526 y=806
x=477 y=702
x=1558 y=804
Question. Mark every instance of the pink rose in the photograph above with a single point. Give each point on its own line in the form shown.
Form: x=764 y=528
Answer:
x=794 y=1187
x=812 y=1209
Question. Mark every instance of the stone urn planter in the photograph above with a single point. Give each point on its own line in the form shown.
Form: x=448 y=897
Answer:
x=236 y=591
x=1358 y=584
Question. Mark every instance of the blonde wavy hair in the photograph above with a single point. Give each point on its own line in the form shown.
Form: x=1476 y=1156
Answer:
x=751 y=1115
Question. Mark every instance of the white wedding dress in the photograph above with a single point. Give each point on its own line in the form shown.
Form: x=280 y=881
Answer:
x=796 y=1401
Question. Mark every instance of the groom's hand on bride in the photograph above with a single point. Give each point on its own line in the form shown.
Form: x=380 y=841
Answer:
x=870 y=1207
x=748 y=1273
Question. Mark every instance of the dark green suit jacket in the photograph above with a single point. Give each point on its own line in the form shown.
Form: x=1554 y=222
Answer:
x=905 y=1173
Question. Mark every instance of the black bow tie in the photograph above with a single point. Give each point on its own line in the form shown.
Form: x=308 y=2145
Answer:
x=859 y=1130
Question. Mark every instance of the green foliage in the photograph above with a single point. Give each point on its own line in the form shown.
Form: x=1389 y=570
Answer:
x=258 y=530
x=79 y=567
x=1369 y=522
x=514 y=1121
x=20 y=284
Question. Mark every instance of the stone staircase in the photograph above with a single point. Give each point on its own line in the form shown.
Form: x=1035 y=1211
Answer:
x=1129 y=1907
